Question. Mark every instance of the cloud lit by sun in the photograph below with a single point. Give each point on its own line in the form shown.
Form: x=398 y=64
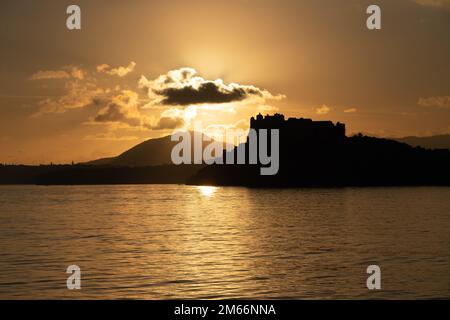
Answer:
x=172 y=101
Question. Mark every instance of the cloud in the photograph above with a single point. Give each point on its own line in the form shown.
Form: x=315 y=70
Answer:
x=182 y=95
x=219 y=132
x=65 y=72
x=79 y=90
x=118 y=108
x=442 y=4
x=350 y=110
x=438 y=102
x=172 y=118
x=78 y=95
x=165 y=123
x=123 y=109
x=109 y=136
x=323 y=110
x=266 y=109
x=78 y=73
x=183 y=87
x=119 y=71
x=50 y=74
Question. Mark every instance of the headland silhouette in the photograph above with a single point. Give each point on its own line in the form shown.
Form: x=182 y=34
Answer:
x=311 y=154
x=319 y=154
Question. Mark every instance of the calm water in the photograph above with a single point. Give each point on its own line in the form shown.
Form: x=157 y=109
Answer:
x=171 y=241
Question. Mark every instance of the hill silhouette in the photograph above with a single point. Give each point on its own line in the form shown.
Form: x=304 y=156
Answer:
x=319 y=154
x=153 y=152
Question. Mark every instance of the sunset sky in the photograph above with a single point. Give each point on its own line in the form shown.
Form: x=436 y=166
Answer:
x=141 y=69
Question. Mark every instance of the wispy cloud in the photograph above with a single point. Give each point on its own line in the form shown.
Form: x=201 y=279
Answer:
x=119 y=71
x=65 y=72
x=81 y=89
x=77 y=95
x=442 y=4
x=109 y=136
x=323 y=109
x=437 y=102
x=350 y=110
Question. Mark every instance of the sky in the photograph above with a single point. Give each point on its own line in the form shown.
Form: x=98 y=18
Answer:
x=142 y=69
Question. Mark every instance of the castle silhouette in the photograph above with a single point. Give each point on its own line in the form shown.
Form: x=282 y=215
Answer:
x=306 y=129
x=300 y=132
x=319 y=154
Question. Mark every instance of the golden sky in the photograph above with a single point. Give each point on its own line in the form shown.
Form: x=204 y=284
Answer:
x=140 y=69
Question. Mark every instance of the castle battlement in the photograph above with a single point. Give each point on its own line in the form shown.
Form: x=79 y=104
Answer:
x=299 y=127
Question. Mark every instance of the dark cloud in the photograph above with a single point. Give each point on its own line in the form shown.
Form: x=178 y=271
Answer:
x=207 y=92
x=121 y=109
x=116 y=113
x=183 y=87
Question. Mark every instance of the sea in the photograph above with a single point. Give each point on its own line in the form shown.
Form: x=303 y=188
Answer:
x=206 y=242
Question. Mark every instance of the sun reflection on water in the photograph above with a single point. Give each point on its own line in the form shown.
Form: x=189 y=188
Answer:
x=207 y=191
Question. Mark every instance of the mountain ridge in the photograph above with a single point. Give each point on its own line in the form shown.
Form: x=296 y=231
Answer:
x=440 y=141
